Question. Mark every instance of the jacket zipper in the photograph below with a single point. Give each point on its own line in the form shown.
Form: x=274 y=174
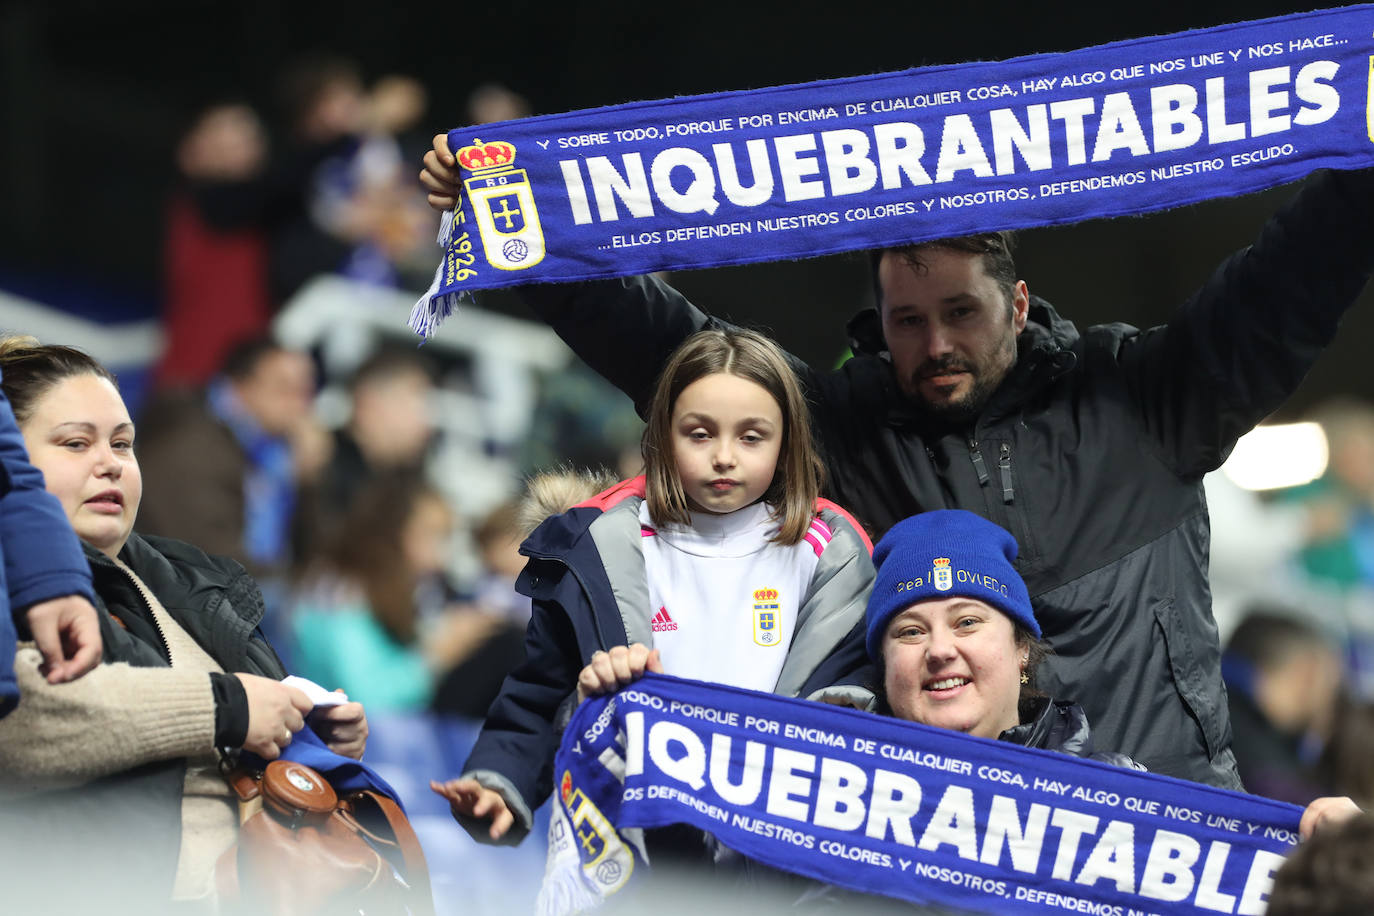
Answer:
x=152 y=615
x=1004 y=465
x=978 y=464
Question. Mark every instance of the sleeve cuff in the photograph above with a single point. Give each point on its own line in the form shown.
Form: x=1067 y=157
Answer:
x=231 y=710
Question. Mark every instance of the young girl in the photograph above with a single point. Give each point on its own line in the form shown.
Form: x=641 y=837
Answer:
x=721 y=558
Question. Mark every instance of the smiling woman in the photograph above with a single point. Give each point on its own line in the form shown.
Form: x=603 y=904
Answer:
x=951 y=628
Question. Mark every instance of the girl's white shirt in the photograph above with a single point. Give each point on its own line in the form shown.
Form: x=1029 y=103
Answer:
x=724 y=598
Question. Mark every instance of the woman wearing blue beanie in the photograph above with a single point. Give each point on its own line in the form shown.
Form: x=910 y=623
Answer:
x=956 y=643
x=951 y=629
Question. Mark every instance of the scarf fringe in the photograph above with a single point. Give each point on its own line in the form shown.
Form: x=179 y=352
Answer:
x=432 y=308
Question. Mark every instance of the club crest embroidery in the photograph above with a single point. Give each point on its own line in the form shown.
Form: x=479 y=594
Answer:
x=605 y=860
x=941 y=574
x=766 y=631
x=503 y=205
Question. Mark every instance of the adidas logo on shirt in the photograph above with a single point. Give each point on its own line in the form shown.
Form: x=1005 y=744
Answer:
x=662 y=622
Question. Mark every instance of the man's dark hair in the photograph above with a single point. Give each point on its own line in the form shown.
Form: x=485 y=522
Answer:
x=995 y=247
x=387 y=362
x=243 y=358
x=1269 y=635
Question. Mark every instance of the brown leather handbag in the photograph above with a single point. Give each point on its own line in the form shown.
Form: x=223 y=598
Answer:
x=303 y=851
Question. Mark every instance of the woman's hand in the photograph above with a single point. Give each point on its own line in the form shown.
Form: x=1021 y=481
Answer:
x=343 y=728
x=607 y=672
x=275 y=713
x=469 y=798
x=1326 y=813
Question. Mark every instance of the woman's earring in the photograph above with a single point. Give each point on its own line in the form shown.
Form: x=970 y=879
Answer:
x=1025 y=659
x=1025 y=678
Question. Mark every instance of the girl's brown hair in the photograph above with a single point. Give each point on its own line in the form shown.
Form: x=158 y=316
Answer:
x=797 y=479
x=369 y=547
x=31 y=368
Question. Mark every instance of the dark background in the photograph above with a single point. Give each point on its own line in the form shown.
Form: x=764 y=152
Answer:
x=93 y=95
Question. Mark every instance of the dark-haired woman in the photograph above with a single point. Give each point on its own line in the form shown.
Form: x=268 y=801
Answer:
x=115 y=777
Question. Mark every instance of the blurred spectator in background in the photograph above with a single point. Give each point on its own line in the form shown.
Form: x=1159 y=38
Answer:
x=1253 y=544
x=1283 y=679
x=231 y=462
x=582 y=420
x=322 y=101
x=1331 y=874
x=1339 y=549
x=370 y=615
x=1347 y=761
x=214 y=260
x=389 y=429
x=492 y=102
x=364 y=218
x=490 y=640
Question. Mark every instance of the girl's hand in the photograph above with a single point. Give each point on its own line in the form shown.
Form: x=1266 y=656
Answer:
x=607 y=672
x=469 y=798
x=1326 y=813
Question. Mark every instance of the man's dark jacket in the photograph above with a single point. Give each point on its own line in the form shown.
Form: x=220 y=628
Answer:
x=1091 y=452
x=88 y=832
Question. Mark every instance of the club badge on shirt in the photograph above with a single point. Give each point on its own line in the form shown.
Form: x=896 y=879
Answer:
x=766 y=617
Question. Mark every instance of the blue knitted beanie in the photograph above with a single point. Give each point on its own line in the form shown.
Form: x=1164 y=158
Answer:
x=943 y=554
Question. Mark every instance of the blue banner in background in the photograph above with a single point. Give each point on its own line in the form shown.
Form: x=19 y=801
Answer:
x=884 y=806
x=810 y=169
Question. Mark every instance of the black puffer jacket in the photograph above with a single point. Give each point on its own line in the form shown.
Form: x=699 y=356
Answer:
x=212 y=597
x=1061 y=726
x=1091 y=452
x=119 y=837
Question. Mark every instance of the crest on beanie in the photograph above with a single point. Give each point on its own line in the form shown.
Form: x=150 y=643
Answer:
x=942 y=576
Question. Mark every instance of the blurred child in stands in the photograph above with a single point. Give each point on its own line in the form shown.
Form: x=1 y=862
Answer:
x=364 y=607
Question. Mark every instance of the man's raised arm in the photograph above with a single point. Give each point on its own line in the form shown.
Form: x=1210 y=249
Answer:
x=1241 y=344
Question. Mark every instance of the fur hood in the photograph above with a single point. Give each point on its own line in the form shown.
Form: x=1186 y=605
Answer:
x=554 y=492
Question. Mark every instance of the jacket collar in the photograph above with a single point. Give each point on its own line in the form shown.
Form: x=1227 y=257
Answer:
x=1054 y=726
x=183 y=576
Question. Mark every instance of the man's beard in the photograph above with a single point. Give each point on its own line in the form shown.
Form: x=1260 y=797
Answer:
x=960 y=413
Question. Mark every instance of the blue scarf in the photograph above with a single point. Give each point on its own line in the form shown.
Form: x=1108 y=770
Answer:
x=344 y=774
x=269 y=485
x=883 y=806
x=935 y=152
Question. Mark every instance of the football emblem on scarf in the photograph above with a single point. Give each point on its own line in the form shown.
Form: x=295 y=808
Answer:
x=503 y=205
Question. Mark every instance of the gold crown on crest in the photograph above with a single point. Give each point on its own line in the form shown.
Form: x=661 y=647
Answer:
x=941 y=562
x=481 y=156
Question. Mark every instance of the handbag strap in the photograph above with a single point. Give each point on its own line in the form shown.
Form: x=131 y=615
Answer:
x=417 y=870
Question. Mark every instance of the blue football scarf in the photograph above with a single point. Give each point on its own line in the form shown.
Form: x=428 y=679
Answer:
x=883 y=806
x=344 y=774
x=935 y=152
